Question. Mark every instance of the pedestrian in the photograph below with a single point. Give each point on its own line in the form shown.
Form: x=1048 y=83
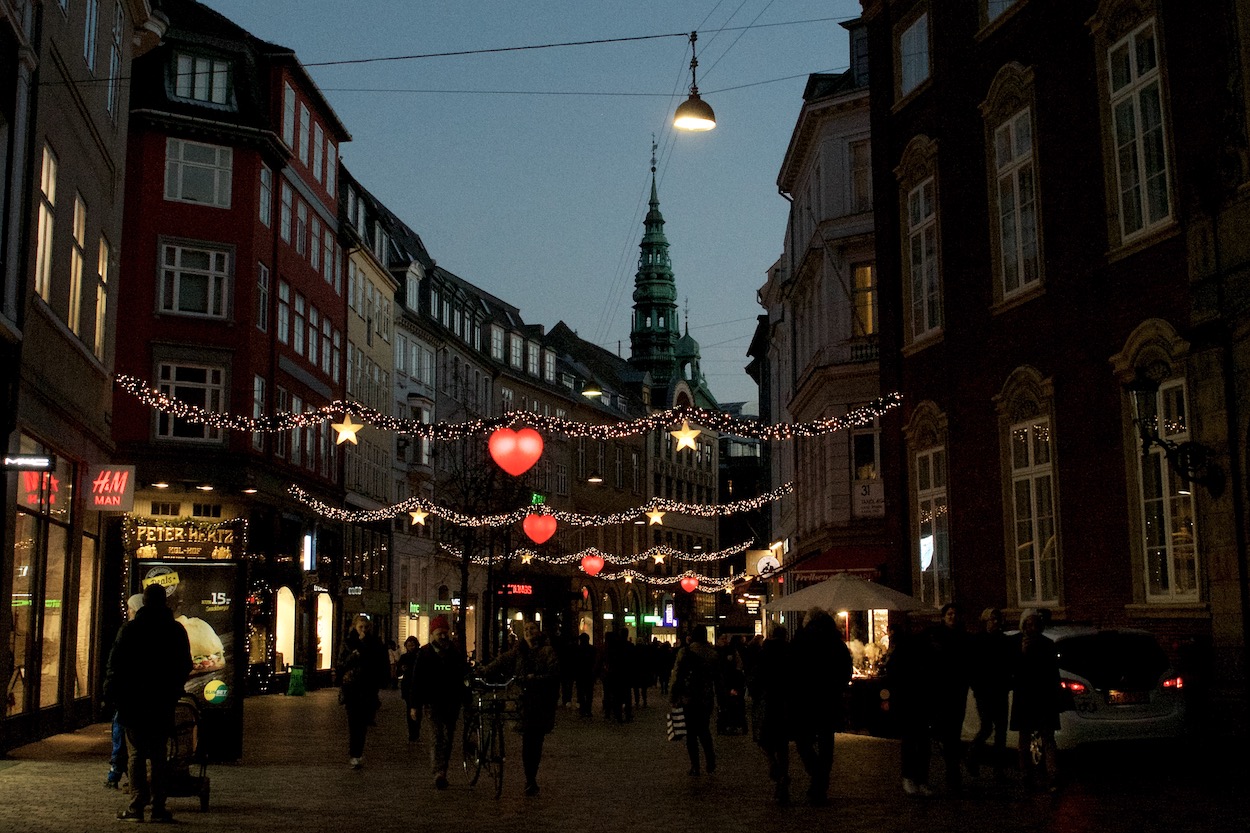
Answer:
x=393 y=655
x=534 y=664
x=990 y=677
x=117 y=759
x=949 y=690
x=641 y=671
x=693 y=687
x=907 y=681
x=1036 y=704
x=363 y=668
x=731 y=716
x=770 y=703
x=441 y=670
x=584 y=674
x=617 y=705
x=147 y=671
x=406 y=667
x=664 y=659
x=820 y=671
x=568 y=669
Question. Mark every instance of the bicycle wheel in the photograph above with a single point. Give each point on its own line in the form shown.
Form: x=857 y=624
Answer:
x=494 y=753
x=472 y=743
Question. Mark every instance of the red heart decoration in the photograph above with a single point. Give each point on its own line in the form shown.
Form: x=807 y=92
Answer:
x=592 y=564
x=539 y=527
x=689 y=584
x=516 y=451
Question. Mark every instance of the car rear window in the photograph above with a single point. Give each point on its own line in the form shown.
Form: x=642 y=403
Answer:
x=1113 y=660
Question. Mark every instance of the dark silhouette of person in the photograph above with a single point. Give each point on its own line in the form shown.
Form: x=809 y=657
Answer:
x=534 y=664
x=1036 y=701
x=991 y=683
x=693 y=687
x=584 y=674
x=364 y=667
x=441 y=669
x=949 y=671
x=147 y=672
x=770 y=695
x=406 y=667
x=820 y=670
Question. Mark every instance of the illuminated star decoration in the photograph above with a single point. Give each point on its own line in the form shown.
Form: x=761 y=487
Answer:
x=418 y=515
x=659 y=558
x=656 y=518
x=347 y=430
x=527 y=557
x=629 y=579
x=685 y=436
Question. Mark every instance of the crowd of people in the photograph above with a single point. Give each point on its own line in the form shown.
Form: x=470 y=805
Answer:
x=786 y=689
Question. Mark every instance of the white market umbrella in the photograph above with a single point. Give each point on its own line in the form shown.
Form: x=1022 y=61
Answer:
x=845 y=591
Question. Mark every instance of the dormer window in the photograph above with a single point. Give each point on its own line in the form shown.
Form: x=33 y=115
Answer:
x=203 y=79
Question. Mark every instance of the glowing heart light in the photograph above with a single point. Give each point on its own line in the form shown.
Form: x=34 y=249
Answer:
x=689 y=584
x=592 y=564
x=516 y=451
x=539 y=527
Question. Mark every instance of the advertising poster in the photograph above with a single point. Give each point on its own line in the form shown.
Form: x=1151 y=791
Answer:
x=199 y=566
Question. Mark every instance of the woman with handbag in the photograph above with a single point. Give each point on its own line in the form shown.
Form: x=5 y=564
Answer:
x=363 y=669
x=694 y=689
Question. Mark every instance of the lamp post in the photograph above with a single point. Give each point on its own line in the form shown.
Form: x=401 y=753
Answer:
x=1191 y=461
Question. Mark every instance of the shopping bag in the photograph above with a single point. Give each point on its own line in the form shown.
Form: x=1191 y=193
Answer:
x=677 y=723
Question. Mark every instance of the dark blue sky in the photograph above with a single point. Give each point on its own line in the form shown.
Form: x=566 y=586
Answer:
x=527 y=172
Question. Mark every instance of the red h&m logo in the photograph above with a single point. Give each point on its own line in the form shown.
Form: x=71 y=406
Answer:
x=112 y=488
x=40 y=488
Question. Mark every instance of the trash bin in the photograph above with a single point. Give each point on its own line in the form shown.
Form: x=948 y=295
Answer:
x=296 y=687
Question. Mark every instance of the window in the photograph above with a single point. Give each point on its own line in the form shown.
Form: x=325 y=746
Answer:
x=922 y=260
x=301 y=305
x=913 y=55
x=282 y=402
x=327 y=255
x=91 y=23
x=297 y=445
x=518 y=352
x=335 y=355
x=201 y=386
x=115 y=60
x=496 y=343
x=266 y=195
x=262 y=297
x=1037 y=562
x=47 y=217
x=1017 y=203
x=506 y=401
x=101 y=299
x=325 y=344
x=314 y=334
x=194 y=280
x=866 y=452
x=533 y=358
x=864 y=287
x=258 y=410
x=549 y=366
x=285 y=228
x=288 y=115
x=77 y=262
x=303 y=149
x=318 y=149
x=314 y=244
x=995 y=8
x=202 y=79
x=1167 y=505
x=1140 y=141
x=284 y=311
x=861 y=176
x=301 y=227
x=932 y=548
x=198 y=173
x=332 y=166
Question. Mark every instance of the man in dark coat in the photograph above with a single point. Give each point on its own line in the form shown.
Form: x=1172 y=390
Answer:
x=1036 y=702
x=991 y=683
x=534 y=664
x=584 y=674
x=950 y=655
x=821 y=667
x=441 y=669
x=770 y=695
x=147 y=672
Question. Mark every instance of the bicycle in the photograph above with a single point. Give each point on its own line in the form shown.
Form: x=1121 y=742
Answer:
x=483 y=739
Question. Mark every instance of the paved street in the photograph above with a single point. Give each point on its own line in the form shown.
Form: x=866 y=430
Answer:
x=598 y=776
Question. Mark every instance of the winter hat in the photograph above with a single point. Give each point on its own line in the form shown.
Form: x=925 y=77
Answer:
x=440 y=623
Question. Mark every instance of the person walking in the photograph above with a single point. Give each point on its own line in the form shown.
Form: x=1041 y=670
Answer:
x=533 y=662
x=1036 y=703
x=664 y=659
x=907 y=680
x=441 y=667
x=949 y=691
x=117 y=759
x=820 y=671
x=584 y=674
x=146 y=674
x=991 y=683
x=363 y=669
x=406 y=667
x=770 y=705
x=693 y=687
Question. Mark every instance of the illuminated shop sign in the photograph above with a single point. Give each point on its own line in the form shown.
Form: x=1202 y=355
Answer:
x=189 y=541
x=519 y=589
x=29 y=462
x=112 y=488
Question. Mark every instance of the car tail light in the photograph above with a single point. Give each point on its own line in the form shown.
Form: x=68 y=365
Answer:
x=1174 y=682
x=1072 y=686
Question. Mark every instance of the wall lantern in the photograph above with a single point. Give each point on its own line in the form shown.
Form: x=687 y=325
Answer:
x=1193 y=462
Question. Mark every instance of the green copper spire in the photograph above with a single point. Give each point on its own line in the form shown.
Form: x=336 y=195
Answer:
x=655 y=331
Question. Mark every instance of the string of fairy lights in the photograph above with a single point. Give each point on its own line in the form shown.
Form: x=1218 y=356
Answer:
x=656 y=554
x=553 y=425
x=419 y=508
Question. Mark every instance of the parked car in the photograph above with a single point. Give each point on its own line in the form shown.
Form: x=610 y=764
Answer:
x=1117 y=685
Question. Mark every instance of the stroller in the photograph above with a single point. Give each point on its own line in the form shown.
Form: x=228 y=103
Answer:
x=186 y=764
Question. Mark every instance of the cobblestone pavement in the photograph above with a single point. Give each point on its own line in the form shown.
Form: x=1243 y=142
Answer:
x=602 y=777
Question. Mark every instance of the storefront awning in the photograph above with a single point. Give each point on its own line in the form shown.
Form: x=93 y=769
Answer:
x=862 y=559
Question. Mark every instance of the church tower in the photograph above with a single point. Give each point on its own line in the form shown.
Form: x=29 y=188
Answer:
x=657 y=344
